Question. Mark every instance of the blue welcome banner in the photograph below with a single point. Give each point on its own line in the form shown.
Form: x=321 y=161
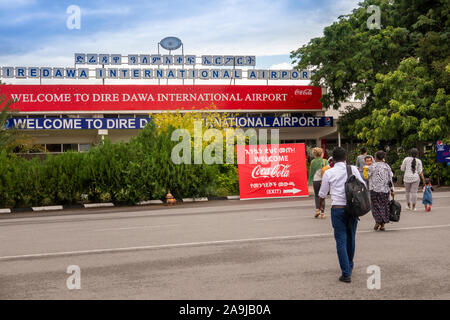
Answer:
x=277 y=122
x=77 y=123
x=139 y=123
x=442 y=152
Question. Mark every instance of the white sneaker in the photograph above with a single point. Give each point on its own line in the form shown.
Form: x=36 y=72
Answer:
x=415 y=209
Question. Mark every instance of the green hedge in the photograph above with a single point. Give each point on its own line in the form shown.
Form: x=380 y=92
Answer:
x=119 y=172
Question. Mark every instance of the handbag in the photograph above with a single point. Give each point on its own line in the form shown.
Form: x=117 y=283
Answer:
x=395 y=208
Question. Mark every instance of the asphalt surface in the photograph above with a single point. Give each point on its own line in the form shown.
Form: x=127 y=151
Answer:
x=259 y=249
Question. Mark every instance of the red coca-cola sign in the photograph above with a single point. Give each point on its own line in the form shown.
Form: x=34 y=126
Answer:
x=280 y=170
x=304 y=92
x=304 y=95
x=272 y=171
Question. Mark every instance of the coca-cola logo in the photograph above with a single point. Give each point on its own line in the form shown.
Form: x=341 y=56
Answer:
x=304 y=92
x=278 y=171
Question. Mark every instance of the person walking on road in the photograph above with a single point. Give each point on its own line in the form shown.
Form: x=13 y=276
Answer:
x=361 y=160
x=427 y=198
x=318 y=164
x=380 y=186
x=344 y=226
x=412 y=166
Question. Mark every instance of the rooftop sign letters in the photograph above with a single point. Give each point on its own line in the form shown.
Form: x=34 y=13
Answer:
x=157 y=66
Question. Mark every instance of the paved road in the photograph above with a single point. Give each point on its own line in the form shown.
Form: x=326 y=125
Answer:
x=267 y=249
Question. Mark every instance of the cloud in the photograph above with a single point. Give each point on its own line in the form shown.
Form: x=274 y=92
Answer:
x=15 y=3
x=281 y=66
x=111 y=11
x=264 y=28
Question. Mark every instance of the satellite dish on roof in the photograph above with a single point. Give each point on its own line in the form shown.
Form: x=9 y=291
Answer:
x=170 y=43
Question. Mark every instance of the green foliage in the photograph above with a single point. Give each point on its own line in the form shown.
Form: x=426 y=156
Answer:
x=183 y=180
x=401 y=72
x=406 y=110
x=349 y=55
x=439 y=173
x=61 y=178
x=120 y=172
x=228 y=181
x=9 y=136
x=107 y=168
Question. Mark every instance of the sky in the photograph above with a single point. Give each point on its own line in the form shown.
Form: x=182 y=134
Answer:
x=34 y=32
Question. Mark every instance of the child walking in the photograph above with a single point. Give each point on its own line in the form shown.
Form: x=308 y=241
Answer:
x=427 y=198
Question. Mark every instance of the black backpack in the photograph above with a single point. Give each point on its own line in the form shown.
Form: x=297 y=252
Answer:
x=358 y=200
x=394 y=210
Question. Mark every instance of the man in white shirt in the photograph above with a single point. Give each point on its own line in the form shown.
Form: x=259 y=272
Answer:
x=333 y=181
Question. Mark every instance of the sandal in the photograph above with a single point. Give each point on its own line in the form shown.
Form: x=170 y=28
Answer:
x=376 y=226
x=322 y=215
x=382 y=227
x=317 y=213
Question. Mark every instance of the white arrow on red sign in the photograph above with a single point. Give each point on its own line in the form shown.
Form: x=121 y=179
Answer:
x=293 y=191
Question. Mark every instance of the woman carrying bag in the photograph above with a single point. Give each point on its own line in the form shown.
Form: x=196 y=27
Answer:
x=380 y=186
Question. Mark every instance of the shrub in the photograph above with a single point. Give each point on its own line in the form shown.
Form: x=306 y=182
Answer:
x=120 y=172
x=228 y=181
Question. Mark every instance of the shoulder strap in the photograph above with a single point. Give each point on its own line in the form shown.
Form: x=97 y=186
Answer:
x=349 y=172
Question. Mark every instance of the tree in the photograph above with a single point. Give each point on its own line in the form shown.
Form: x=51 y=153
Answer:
x=12 y=139
x=7 y=135
x=408 y=108
x=404 y=100
x=349 y=55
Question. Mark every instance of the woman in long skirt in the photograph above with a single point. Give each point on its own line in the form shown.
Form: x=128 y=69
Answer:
x=380 y=186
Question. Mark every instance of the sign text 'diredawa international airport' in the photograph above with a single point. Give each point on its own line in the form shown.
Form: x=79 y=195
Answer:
x=153 y=98
x=156 y=67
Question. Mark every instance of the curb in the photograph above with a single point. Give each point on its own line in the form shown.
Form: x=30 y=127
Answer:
x=144 y=203
x=21 y=210
x=98 y=205
x=73 y=206
x=81 y=206
x=217 y=198
x=195 y=199
x=110 y=204
x=47 y=208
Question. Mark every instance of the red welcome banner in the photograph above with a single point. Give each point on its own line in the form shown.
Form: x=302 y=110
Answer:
x=66 y=98
x=272 y=171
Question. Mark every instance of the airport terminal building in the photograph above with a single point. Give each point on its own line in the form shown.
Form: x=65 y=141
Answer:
x=61 y=112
